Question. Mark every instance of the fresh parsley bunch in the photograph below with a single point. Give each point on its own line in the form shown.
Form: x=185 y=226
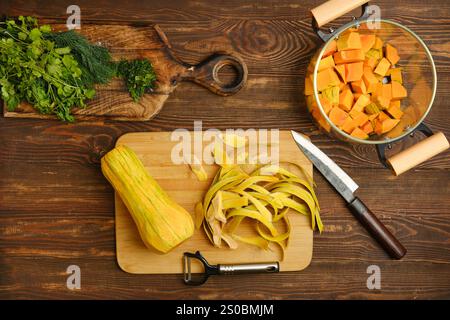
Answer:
x=33 y=69
x=138 y=75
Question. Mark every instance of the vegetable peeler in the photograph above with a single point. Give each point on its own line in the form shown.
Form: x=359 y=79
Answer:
x=222 y=269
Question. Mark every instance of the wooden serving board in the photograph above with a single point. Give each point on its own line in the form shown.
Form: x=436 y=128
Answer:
x=154 y=149
x=113 y=101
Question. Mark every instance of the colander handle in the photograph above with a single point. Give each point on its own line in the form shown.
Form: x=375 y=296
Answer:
x=418 y=153
x=333 y=9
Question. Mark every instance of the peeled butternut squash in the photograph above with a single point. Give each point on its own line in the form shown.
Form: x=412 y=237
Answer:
x=161 y=222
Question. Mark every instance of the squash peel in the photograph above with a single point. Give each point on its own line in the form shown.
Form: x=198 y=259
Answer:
x=264 y=197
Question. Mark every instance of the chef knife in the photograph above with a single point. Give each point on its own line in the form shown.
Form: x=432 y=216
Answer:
x=346 y=188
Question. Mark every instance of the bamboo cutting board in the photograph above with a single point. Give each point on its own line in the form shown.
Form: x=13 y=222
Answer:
x=154 y=149
x=113 y=101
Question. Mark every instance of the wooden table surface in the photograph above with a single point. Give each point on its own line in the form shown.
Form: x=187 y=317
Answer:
x=56 y=209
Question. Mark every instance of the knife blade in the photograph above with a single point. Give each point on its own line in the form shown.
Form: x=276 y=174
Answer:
x=346 y=187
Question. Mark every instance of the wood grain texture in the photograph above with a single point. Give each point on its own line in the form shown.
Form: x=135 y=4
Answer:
x=56 y=209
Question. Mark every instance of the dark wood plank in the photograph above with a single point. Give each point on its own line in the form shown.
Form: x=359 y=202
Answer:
x=56 y=208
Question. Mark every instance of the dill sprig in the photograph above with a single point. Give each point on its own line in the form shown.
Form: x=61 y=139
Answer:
x=94 y=60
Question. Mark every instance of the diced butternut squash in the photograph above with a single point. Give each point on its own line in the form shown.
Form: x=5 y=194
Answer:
x=348 y=56
x=356 y=95
x=326 y=105
x=392 y=54
x=369 y=79
x=349 y=41
x=361 y=102
x=367 y=127
x=372 y=109
x=331 y=48
x=385 y=125
x=383 y=90
x=340 y=69
x=395 y=103
x=325 y=63
x=354 y=71
x=359 y=117
x=382 y=102
x=349 y=125
x=359 y=89
x=346 y=100
x=309 y=90
x=378 y=45
x=332 y=94
x=338 y=116
x=358 y=133
x=398 y=91
x=382 y=67
x=396 y=75
x=370 y=62
x=327 y=78
x=324 y=124
x=359 y=86
x=382 y=116
x=395 y=112
x=367 y=41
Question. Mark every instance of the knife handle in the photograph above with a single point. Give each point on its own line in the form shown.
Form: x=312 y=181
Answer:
x=389 y=243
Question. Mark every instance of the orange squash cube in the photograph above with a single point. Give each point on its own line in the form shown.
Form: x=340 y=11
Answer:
x=346 y=100
x=340 y=69
x=369 y=80
x=348 y=56
x=385 y=125
x=398 y=91
x=361 y=102
x=327 y=62
x=338 y=116
x=359 y=86
x=395 y=112
x=331 y=48
x=395 y=103
x=367 y=41
x=396 y=75
x=378 y=45
x=349 y=41
x=358 y=133
x=382 y=116
x=367 y=127
x=370 y=62
x=382 y=67
x=327 y=78
x=356 y=95
x=332 y=94
x=326 y=105
x=354 y=71
x=382 y=102
x=349 y=125
x=359 y=117
x=392 y=54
